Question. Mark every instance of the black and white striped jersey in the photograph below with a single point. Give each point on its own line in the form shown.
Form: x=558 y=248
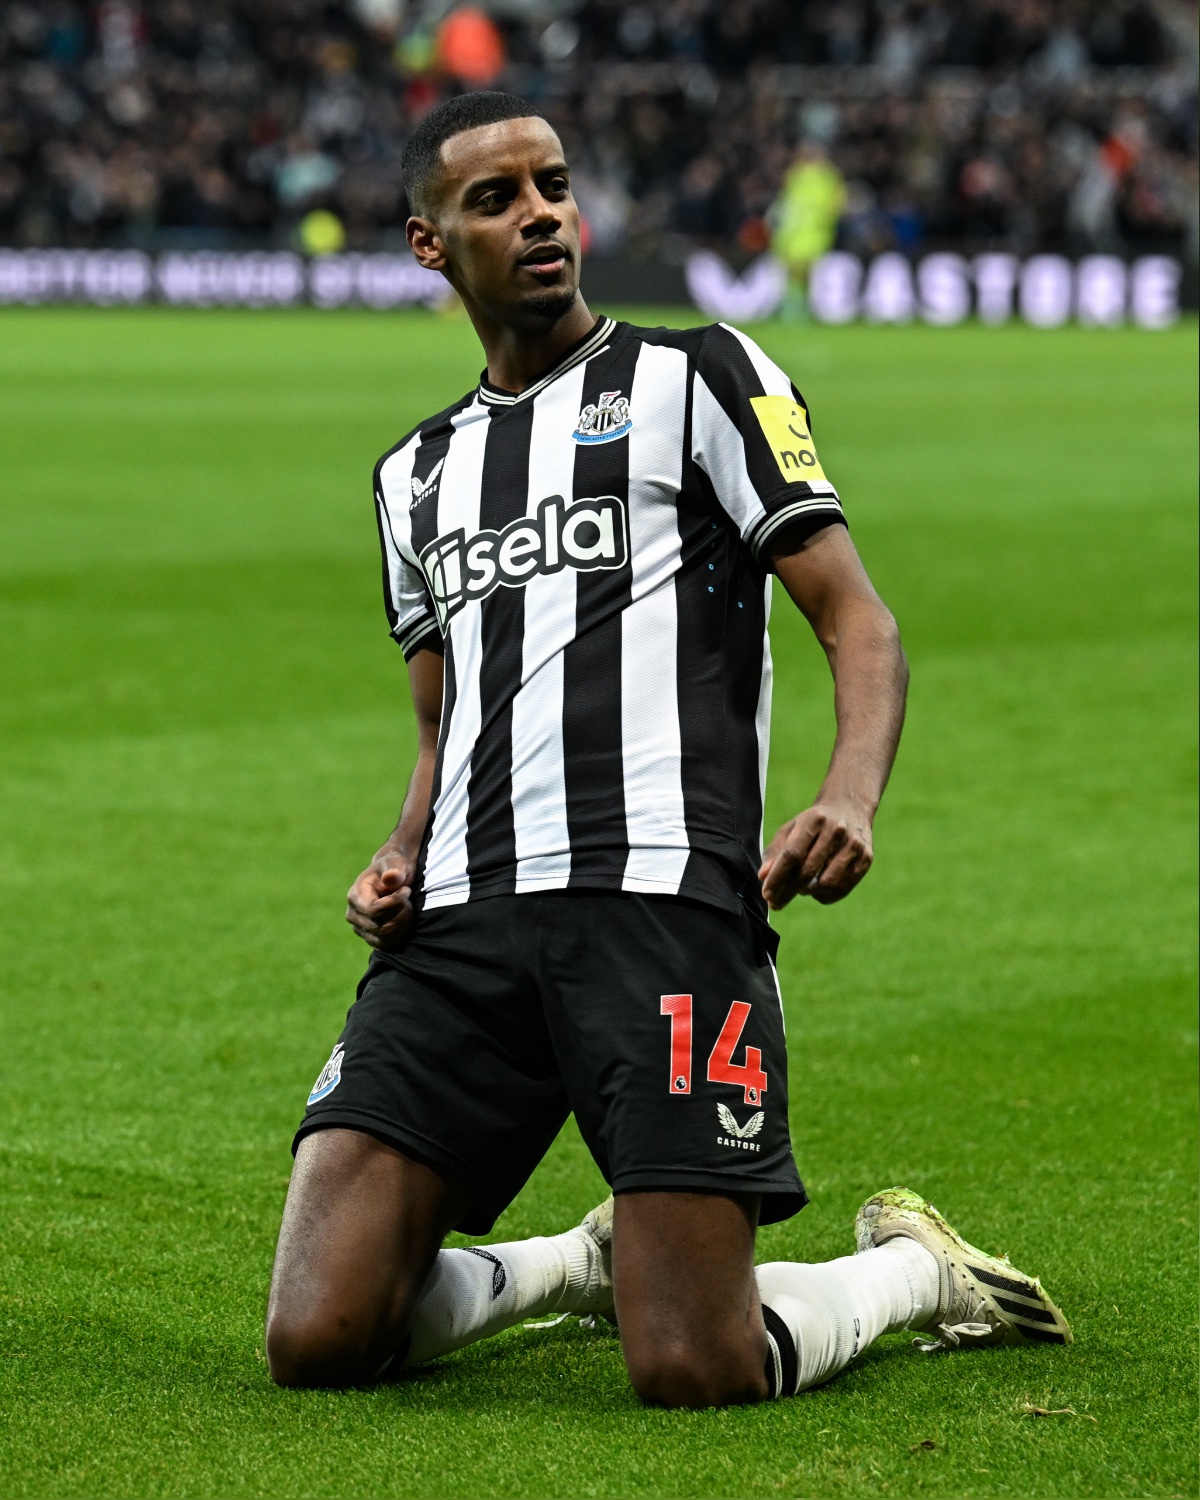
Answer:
x=592 y=556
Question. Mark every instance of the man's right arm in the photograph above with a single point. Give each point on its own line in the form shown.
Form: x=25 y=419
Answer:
x=379 y=903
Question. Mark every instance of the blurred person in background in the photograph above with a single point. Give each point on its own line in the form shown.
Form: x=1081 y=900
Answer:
x=805 y=220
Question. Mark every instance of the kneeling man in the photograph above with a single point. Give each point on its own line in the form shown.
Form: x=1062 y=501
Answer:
x=571 y=912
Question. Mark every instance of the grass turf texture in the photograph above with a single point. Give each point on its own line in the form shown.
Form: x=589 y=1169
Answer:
x=206 y=734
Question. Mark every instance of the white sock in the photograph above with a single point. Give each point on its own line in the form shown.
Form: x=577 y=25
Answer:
x=472 y=1294
x=826 y=1314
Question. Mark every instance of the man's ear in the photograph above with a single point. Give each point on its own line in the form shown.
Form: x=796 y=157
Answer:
x=426 y=243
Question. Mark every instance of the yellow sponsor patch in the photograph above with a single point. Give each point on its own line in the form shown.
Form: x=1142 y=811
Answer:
x=785 y=427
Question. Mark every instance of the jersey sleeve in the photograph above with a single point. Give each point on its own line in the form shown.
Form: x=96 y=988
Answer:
x=751 y=436
x=412 y=619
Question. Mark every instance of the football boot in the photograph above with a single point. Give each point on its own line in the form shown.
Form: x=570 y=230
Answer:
x=983 y=1299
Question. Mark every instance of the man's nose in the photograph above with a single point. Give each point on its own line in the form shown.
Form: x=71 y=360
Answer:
x=539 y=216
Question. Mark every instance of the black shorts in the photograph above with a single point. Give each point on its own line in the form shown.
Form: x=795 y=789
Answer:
x=658 y=1022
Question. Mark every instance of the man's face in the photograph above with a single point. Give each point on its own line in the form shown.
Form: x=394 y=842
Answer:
x=504 y=225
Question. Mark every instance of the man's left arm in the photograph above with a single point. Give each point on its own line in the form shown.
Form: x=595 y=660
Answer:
x=827 y=850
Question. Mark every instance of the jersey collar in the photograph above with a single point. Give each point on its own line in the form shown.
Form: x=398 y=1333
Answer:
x=590 y=344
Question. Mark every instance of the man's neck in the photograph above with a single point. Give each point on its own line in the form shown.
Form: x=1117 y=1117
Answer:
x=517 y=356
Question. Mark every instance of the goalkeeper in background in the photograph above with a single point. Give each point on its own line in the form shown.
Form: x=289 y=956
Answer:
x=804 y=220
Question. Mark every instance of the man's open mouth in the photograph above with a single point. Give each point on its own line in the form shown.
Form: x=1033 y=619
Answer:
x=545 y=259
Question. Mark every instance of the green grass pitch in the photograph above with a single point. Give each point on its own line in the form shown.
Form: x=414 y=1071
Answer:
x=205 y=734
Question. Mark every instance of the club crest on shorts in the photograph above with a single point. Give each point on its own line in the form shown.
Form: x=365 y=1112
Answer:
x=740 y=1137
x=329 y=1077
x=605 y=420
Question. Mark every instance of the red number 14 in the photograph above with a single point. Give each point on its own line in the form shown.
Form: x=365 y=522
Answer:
x=747 y=1076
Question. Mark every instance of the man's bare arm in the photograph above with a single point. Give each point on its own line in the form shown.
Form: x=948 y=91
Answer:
x=827 y=850
x=379 y=904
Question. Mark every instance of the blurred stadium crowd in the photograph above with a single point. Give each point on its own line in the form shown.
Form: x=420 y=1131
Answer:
x=1021 y=125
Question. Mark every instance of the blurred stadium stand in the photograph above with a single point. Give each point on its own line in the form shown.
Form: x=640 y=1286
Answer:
x=966 y=125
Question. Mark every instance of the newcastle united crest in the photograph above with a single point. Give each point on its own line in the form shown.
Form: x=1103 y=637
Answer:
x=605 y=420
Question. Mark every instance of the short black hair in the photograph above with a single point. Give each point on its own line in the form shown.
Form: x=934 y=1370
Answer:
x=422 y=155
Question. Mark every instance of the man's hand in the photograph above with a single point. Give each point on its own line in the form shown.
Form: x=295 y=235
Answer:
x=827 y=850
x=823 y=853
x=379 y=903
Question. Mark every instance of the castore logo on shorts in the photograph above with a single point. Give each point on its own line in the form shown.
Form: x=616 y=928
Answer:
x=740 y=1137
x=586 y=535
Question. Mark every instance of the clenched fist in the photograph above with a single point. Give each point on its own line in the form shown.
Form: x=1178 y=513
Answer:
x=823 y=853
x=379 y=903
